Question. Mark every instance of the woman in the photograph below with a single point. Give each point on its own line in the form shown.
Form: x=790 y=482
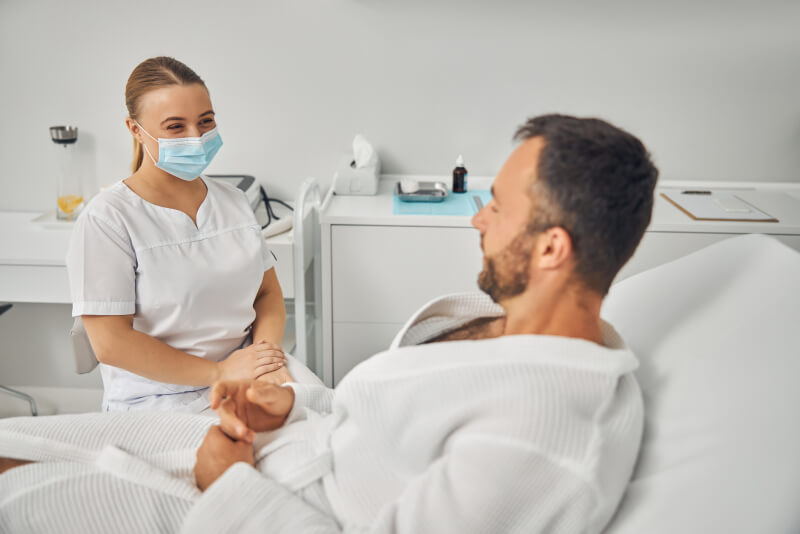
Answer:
x=168 y=269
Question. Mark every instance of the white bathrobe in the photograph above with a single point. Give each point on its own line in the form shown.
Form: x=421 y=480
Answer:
x=513 y=434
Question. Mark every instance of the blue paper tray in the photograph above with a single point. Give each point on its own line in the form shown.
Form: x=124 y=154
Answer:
x=453 y=204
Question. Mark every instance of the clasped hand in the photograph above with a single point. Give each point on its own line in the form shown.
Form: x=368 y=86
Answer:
x=251 y=362
x=244 y=407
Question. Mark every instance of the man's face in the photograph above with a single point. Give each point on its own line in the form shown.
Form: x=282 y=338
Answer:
x=506 y=245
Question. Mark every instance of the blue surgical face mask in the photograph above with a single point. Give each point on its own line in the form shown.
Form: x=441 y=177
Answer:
x=185 y=157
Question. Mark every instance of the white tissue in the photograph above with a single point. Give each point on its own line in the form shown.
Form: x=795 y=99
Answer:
x=364 y=154
x=358 y=173
x=408 y=185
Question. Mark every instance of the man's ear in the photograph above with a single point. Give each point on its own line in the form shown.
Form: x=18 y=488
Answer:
x=554 y=248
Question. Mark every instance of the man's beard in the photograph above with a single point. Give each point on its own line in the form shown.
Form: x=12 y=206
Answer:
x=506 y=274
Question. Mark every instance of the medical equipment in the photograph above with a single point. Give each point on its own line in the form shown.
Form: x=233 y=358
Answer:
x=245 y=182
x=409 y=185
x=284 y=224
x=308 y=276
x=460 y=176
x=260 y=201
x=71 y=189
x=423 y=192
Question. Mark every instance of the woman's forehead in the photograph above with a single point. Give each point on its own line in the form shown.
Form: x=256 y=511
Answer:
x=176 y=100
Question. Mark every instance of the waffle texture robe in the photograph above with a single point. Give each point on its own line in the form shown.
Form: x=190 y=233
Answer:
x=515 y=434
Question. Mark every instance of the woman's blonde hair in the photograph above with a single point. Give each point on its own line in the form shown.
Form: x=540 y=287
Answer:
x=152 y=74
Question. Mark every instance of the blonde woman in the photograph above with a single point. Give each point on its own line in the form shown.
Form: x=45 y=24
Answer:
x=168 y=269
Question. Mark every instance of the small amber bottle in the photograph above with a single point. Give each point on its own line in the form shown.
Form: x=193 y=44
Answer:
x=460 y=176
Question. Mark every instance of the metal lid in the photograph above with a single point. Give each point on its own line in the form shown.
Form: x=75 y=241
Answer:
x=64 y=135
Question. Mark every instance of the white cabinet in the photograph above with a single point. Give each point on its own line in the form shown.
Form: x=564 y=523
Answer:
x=378 y=268
x=382 y=274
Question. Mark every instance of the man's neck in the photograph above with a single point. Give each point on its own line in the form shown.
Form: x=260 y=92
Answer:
x=566 y=312
x=480 y=328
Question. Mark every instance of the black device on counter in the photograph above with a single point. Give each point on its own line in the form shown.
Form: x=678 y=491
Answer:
x=256 y=195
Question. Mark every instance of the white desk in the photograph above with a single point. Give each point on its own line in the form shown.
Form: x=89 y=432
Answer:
x=33 y=269
x=378 y=268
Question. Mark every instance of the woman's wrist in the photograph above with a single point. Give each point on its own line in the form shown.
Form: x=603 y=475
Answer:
x=215 y=372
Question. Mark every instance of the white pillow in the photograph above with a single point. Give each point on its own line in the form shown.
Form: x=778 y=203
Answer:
x=718 y=337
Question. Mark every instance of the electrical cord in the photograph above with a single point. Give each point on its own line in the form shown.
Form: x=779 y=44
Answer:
x=268 y=206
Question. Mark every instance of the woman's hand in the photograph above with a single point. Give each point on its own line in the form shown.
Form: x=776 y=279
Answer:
x=252 y=362
x=247 y=406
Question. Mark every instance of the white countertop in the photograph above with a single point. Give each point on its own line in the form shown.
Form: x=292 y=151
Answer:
x=33 y=256
x=781 y=200
x=27 y=243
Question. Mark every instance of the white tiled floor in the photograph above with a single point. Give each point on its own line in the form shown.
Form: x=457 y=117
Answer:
x=51 y=401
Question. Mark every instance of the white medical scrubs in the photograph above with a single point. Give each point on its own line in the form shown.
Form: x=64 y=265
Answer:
x=192 y=287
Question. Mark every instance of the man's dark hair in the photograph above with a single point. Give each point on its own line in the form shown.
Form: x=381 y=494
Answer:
x=596 y=181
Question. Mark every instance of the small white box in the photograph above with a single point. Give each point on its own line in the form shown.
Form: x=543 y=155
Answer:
x=351 y=180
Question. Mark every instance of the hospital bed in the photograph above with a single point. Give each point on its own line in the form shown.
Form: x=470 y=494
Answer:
x=718 y=336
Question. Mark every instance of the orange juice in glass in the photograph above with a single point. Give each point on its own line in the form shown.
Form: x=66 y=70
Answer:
x=70 y=183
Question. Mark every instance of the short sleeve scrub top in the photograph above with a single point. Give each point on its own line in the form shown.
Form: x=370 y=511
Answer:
x=190 y=286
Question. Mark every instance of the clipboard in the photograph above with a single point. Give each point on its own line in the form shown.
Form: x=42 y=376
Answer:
x=711 y=206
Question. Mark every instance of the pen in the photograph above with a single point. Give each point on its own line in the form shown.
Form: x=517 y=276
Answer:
x=695 y=192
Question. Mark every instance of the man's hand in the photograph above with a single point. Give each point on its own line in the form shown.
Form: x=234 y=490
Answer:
x=217 y=453
x=278 y=377
x=247 y=407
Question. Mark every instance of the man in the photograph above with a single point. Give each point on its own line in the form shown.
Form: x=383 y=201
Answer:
x=515 y=412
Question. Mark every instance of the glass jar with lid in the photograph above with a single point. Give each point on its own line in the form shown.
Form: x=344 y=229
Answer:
x=71 y=189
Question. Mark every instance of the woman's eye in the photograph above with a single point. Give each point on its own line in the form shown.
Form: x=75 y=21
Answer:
x=208 y=121
x=174 y=126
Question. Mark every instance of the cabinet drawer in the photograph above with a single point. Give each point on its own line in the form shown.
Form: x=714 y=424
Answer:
x=382 y=274
x=34 y=283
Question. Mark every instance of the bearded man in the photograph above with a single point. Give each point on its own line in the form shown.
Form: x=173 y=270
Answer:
x=512 y=410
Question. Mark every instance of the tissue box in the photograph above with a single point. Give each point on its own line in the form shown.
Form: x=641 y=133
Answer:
x=352 y=180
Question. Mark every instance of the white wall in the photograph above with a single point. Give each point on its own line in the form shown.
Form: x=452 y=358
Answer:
x=713 y=88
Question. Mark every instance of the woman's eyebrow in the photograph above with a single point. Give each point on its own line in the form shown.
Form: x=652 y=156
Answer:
x=209 y=112
x=172 y=119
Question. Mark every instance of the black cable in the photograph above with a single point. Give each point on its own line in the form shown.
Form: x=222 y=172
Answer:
x=281 y=202
x=268 y=206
